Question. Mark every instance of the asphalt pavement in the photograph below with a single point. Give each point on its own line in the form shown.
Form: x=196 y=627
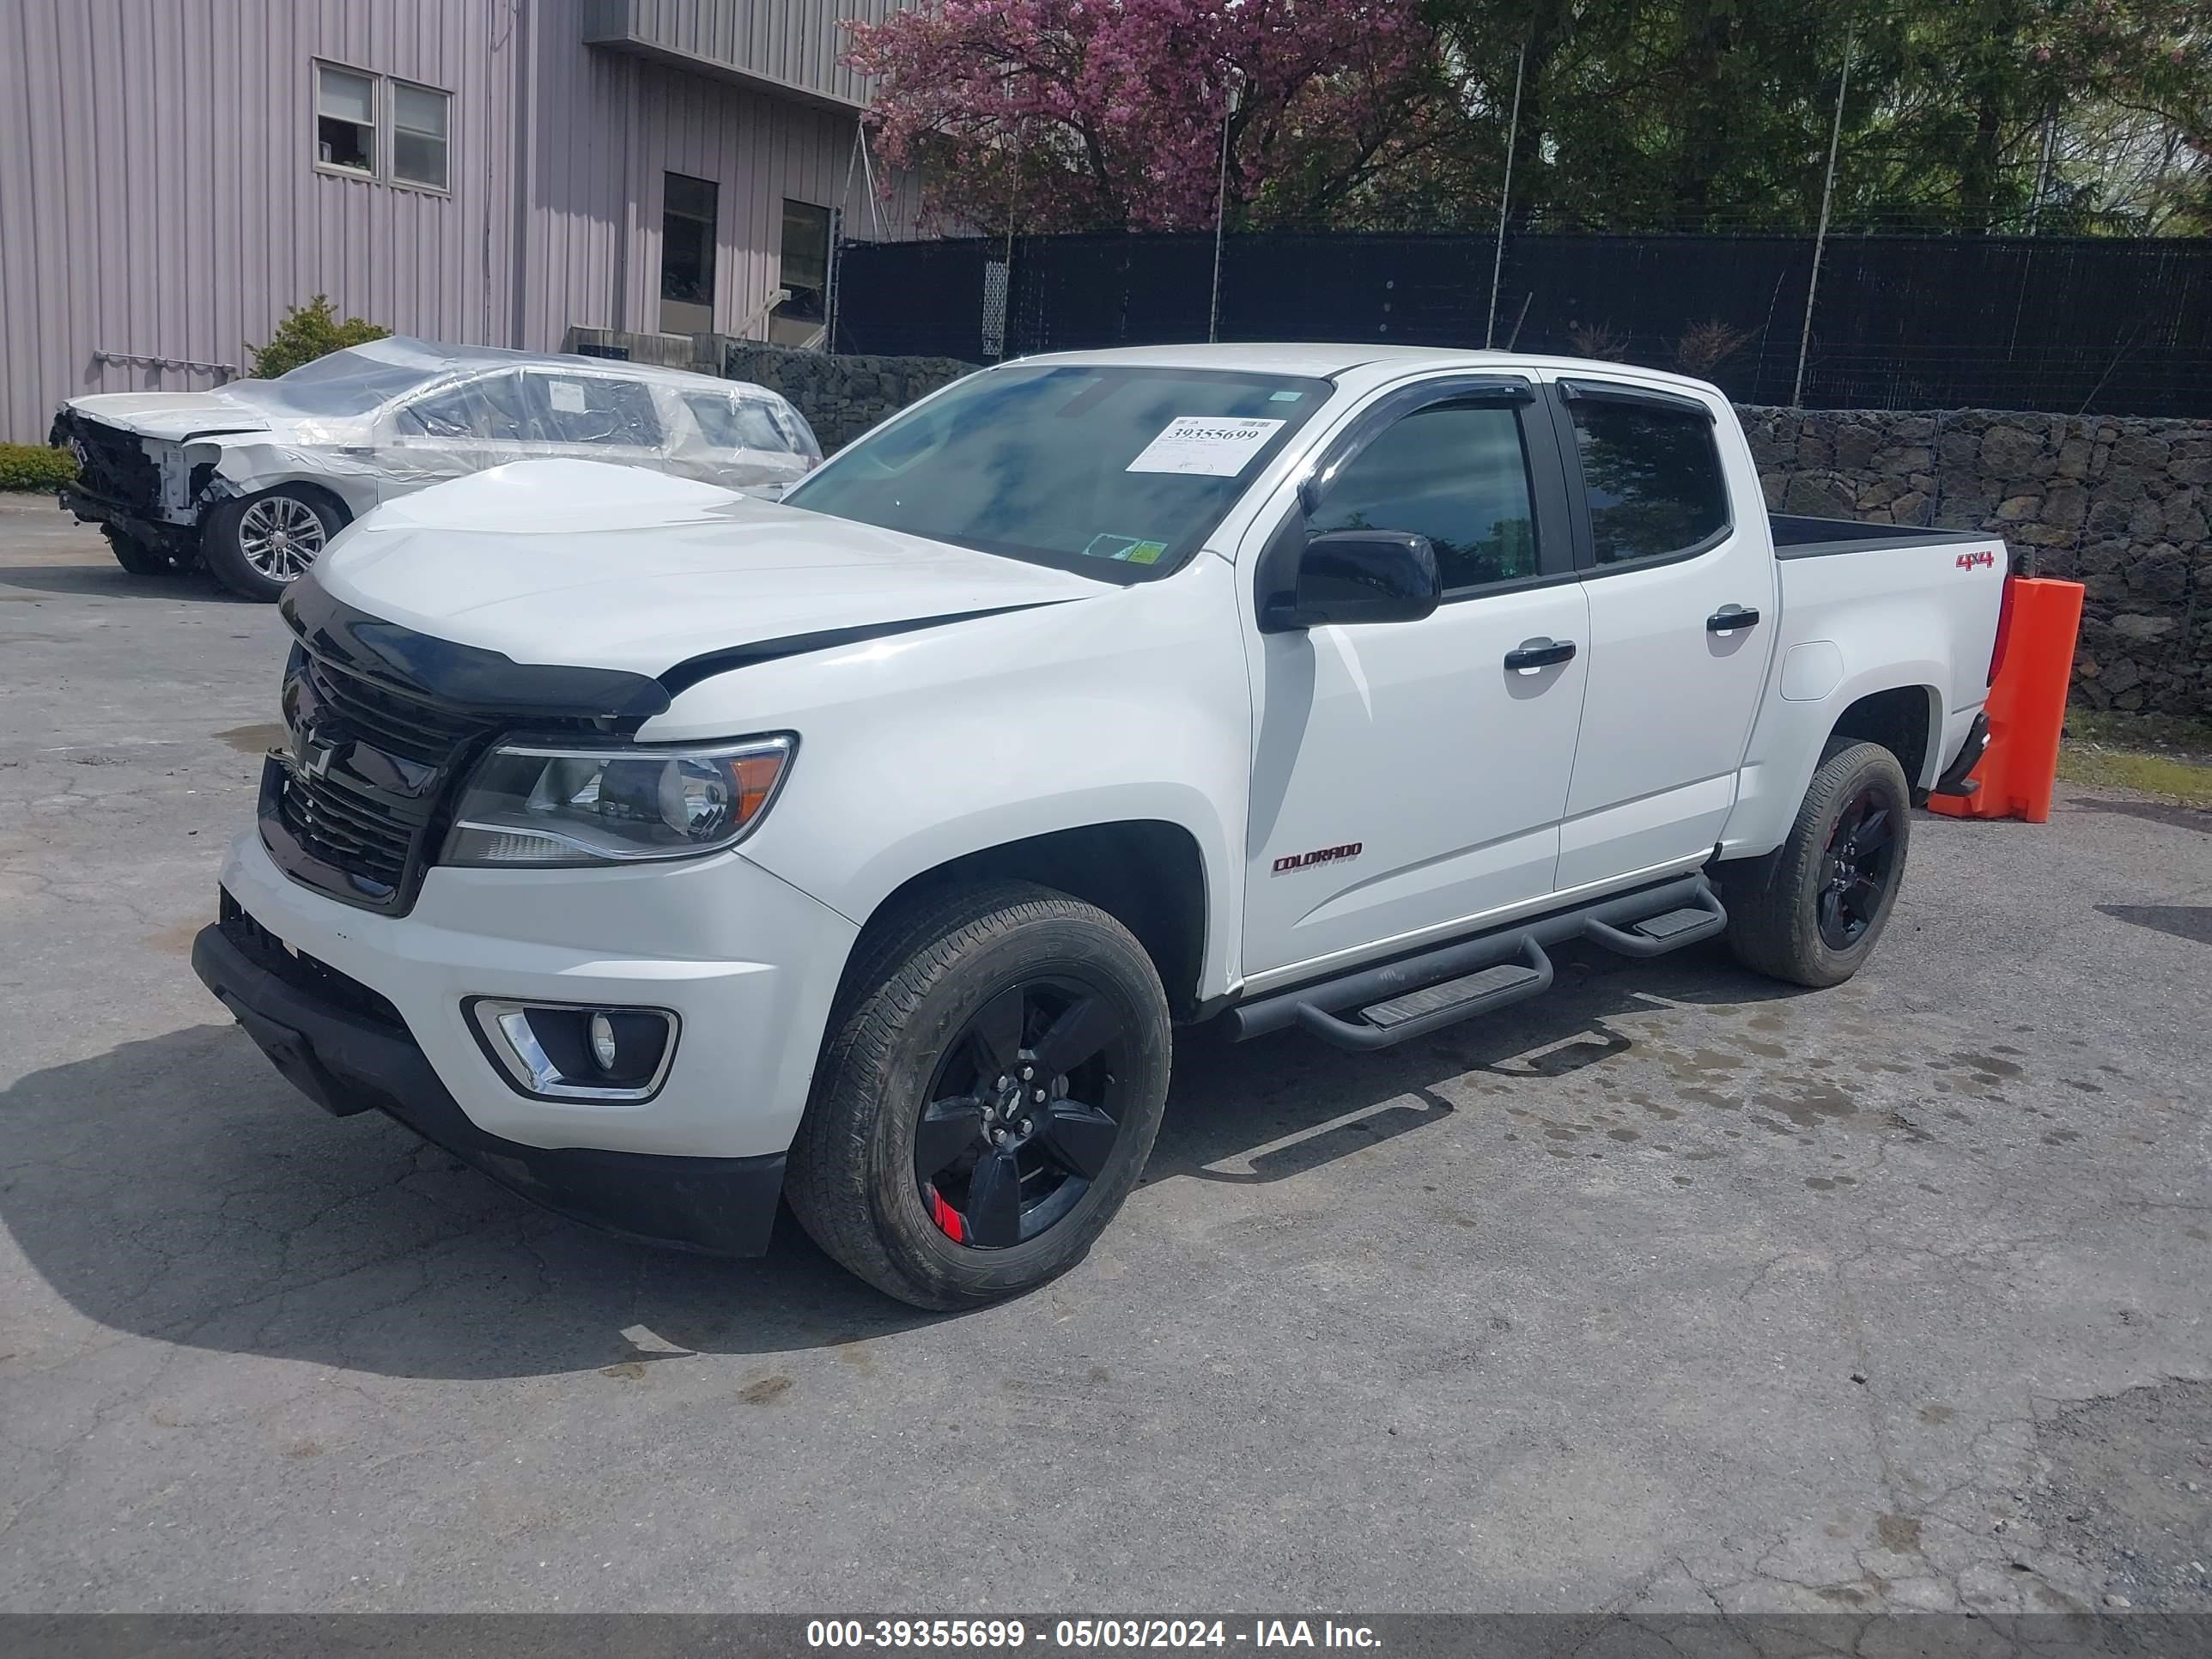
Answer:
x=1673 y=1289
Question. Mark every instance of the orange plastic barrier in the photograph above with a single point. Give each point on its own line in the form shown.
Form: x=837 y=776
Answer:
x=2027 y=704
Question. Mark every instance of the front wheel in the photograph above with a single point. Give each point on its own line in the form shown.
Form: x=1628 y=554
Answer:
x=993 y=1078
x=1810 y=911
x=258 y=547
x=140 y=558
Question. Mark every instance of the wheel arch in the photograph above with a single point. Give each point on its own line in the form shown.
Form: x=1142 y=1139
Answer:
x=1149 y=874
x=303 y=486
x=1906 y=719
x=1900 y=705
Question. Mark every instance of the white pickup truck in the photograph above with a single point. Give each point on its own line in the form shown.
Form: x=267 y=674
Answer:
x=663 y=851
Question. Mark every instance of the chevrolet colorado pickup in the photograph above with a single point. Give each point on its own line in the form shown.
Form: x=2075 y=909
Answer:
x=665 y=852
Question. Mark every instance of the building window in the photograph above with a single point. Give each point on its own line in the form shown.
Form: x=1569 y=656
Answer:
x=372 y=127
x=420 y=116
x=345 y=119
x=806 y=270
x=687 y=254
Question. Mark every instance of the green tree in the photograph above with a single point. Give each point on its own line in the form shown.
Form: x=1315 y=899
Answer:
x=308 y=333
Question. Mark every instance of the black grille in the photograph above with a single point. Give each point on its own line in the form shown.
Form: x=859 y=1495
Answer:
x=360 y=797
x=349 y=829
x=394 y=723
x=299 y=969
x=113 y=464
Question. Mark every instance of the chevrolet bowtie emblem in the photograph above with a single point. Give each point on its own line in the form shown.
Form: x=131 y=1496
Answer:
x=315 y=755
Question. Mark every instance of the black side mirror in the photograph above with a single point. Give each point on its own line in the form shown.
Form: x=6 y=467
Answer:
x=1358 y=576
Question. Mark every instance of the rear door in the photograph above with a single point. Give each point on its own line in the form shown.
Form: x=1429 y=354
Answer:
x=1406 y=778
x=1681 y=622
x=593 y=417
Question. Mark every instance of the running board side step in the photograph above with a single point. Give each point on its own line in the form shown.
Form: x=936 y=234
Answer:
x=1418 y=1013
x=1402 y=1000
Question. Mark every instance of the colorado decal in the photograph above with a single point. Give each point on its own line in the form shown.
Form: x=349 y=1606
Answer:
x=1320 y=855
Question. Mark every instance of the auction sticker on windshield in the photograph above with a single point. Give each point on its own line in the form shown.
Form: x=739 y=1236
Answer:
x=1213 y=444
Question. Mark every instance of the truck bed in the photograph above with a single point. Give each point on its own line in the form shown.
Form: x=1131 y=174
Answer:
x=1796 y=538
x=1914 y=608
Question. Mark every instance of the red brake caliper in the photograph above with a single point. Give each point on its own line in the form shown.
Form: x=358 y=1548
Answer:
x=946 y=1217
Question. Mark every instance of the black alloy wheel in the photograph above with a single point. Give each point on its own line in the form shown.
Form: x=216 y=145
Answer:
x=1861 y=854
x=927 y=1162
x=1810 y=911
x=1023 y=1113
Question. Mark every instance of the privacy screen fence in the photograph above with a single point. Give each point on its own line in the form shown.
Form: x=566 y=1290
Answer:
x=2057 y=324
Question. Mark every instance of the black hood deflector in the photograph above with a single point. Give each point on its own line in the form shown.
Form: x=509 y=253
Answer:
x=465 y=676
x=471 y=677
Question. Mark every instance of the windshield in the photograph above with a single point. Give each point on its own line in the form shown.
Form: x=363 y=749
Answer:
x=1112 y=471
x=349 y=382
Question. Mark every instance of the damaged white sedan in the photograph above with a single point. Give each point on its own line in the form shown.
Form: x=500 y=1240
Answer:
x=252 y=478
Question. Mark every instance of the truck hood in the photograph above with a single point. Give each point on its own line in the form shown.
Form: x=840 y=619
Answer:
x=171 y=414
x=591 y=566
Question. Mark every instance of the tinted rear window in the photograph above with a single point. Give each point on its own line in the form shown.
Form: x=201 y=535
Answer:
x=1653 y=476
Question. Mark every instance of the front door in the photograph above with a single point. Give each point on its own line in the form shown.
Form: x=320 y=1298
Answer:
x=1406 y=778
x=1681 y=625
x=461 y=426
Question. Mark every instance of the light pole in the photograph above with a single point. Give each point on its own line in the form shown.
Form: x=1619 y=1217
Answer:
x=1235 y=81
x=1820 y=236
x=1504 y=200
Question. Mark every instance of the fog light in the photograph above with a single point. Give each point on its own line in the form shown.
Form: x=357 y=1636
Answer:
x=558 y=1051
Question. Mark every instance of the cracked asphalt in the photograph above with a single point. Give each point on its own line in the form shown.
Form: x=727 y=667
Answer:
x=1674 y=1290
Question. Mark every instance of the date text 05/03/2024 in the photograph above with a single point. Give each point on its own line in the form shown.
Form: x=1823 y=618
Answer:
x=1089 y=1633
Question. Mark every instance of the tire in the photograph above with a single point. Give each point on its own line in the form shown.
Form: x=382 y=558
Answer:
x=1780 y=918
x=924 y=1011
x=140 y=558
x=259 y=546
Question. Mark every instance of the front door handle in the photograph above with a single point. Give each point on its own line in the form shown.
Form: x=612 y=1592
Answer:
x=1729 y=617
x=1539 y=653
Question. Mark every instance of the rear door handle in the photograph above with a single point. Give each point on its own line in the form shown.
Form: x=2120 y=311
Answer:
x=1539 y=653
x=1729 y=617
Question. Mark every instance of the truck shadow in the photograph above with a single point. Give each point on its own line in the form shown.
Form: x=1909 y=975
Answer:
x=176 y=1188
x=1254 y=1113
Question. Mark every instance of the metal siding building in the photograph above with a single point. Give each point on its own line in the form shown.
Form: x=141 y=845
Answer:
x=162 y=201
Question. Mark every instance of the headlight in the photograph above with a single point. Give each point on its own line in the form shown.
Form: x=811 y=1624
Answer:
x=540 y=806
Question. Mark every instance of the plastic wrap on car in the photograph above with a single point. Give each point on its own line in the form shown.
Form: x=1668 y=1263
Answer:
x=398 y=415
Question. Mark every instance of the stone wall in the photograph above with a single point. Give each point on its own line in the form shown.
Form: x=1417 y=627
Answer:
x=841 y=396
x=2119 y=505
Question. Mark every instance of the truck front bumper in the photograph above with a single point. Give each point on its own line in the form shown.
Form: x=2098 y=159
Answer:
x=368 y=1010
x=347 y=1061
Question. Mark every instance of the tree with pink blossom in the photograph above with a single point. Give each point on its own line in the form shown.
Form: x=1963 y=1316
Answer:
x=1107 y=114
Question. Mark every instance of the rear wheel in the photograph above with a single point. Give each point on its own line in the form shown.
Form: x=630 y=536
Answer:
x=260 y=546
x=992 y=1081
x=1810 y=911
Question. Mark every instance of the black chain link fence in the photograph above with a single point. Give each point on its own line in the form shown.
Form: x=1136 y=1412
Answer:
x=2063 y=325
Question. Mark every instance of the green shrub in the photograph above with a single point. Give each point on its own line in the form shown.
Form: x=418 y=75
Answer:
x=34 y=466
x=308 y=333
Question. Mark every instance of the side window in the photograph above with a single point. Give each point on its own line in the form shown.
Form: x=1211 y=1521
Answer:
x=735 y=422
x=1454 y=473
x=591 y=408
x=1653 y=476
x=488 y=408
